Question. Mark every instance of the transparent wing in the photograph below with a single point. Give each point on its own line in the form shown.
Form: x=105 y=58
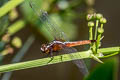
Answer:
x=79 y=63
x=50 y=25
x=54 y=29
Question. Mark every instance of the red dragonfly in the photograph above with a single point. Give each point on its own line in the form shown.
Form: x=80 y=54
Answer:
x=60 y=42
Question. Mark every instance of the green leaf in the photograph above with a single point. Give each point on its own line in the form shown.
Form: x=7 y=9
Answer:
x=104 y=71
x=9 y=6
x=18 y=25
x=44 y=61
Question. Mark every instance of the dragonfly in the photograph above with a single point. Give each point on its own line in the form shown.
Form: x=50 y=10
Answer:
x=60 y=41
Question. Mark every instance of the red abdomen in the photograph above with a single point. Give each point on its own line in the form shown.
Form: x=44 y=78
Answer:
x=77 y=43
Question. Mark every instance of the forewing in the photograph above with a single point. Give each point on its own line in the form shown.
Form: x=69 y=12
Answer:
x=50 y=25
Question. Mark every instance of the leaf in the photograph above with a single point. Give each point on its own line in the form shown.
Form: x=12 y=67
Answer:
x=104 y=71
x=9 y=6
x=18 y=25
x=57 y=59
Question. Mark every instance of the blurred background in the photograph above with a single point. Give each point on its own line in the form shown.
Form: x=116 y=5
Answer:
x=23 y=34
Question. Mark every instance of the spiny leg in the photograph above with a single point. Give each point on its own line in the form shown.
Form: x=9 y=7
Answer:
x=61 y=57
x=50 y=60
x=51 y=55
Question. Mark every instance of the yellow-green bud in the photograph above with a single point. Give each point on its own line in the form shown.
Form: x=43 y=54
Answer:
x=99 y=16
x=100 y=30
x=103 y=20
x=89 y=17
x=17 y=42
x=90 y=24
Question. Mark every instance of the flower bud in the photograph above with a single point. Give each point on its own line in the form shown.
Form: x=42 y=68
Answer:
x=99 y=16
x=90 y=24
x=17 y=42
x=103 y=20
x=100 y=30
x=89 y=17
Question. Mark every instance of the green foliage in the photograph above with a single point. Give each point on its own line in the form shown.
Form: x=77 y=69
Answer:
x=3 y=24
x=64 y=16
x=57 y=59
x=106 y=71
x=18 y=25
x=9 y=6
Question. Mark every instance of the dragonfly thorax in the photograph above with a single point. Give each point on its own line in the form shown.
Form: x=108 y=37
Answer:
x=53 y=46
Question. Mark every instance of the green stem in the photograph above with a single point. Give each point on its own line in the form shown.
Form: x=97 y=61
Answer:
x=98 y=41
x=101 y=26
x=57 y=59
x=110 y=55
x=96 y=29
x=94 y=48
x=99 y=37
x=90 y=34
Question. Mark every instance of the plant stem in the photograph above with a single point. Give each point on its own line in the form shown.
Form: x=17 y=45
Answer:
x=96 y=28
x=98 y=41
x=57 y=59
x=90 y=33
x=99 y=37
x=94 y=48
x=110 y=55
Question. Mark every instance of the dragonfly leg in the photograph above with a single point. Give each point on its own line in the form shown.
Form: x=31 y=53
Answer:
x=61 y=58
x=50 y=59
x=51 y=55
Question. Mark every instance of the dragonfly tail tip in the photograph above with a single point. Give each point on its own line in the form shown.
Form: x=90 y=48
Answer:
x=93 y=40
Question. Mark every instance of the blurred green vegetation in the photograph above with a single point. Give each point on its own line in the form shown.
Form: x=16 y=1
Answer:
x=17 y=14
x=61 y=17
x=106 y=71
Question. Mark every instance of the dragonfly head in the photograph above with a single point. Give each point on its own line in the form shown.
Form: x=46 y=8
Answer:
x=44 y=48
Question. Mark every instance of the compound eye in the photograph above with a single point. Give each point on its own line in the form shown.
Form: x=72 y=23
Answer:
x=43 y=48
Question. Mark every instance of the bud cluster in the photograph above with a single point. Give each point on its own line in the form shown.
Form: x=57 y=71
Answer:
x=96 y=22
